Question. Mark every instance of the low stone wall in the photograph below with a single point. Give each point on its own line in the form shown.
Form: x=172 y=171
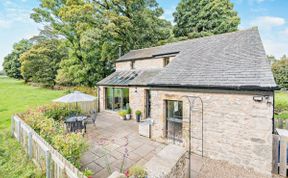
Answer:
x=168 y=163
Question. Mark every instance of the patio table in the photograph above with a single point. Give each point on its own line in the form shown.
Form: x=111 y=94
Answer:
x=76 y=123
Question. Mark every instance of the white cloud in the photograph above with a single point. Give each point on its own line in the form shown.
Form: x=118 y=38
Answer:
x=276 y=47
x=4 y=24
x=268 y=21
x=285 y=32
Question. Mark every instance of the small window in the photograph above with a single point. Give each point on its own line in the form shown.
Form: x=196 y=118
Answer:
x=132 y=64
x=166 y=61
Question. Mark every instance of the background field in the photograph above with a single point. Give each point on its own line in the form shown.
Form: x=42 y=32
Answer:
x=281 y=104
x=16 y=97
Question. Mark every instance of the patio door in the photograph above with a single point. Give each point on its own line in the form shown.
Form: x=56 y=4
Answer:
x=116 y=98
x=174 y=120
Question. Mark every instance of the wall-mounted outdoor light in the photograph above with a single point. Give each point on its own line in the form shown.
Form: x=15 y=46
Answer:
x=258 y=98
x=135 y=90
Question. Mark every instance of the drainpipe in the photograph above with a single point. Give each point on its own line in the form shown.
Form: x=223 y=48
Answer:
x=273 y=119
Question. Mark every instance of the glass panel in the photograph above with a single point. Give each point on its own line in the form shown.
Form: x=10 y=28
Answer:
x=174 y=120
x=174 y=110
x=109 y=98
x=125 y=98
x=117 y=98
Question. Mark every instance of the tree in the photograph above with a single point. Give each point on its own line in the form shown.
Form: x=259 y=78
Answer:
x=197 y=18
x=280 y=72
x=11 y=62
x=133 y=24
x=271 y=59
x=41 y=62
x=70 y=20
x=94 y=30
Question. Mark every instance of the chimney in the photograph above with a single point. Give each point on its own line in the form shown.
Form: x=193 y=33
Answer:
x=120 y=51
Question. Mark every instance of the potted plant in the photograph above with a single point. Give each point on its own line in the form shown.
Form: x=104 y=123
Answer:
x=138 y=115
x=122 y=114
x=128 y=113
x=137 y=172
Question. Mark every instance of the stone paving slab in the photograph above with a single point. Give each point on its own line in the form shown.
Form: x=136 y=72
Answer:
x=110 y=139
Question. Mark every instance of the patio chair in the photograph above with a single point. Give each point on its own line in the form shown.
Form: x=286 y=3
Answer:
x=93 y=117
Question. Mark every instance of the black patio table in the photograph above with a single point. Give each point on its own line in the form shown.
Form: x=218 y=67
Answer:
x=76 y=123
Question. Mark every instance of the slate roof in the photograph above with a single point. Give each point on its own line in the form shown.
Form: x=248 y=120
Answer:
x=234 y=60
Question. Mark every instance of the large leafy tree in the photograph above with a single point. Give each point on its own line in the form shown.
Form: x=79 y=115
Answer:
x=197 y=18
x=41 y=62
x=94 y=30
x=71 y=20
x=280 y=72
x=11 y=62
x=133 y=24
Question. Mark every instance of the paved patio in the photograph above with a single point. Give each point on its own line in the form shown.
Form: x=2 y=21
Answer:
x=112 y=138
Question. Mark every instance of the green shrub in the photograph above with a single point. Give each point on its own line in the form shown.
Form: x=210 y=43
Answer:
x=122 y=113
x=129 y=111
x=60 y=111
x=138 y=113
x=280 y=71
x=137 y=172
x=71 y=146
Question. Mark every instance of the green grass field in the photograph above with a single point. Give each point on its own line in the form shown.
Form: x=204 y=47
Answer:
x=281 y=104
x=17 y=97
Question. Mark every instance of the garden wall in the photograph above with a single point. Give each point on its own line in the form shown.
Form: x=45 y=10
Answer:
x=42 y=154
x=168 y=163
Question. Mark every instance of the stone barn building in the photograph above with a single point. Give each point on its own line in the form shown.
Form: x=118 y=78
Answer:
x=229 y=73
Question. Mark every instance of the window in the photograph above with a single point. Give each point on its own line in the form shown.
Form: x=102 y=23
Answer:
x=116 y=98
x=132 y=64
x=174 y=118
x=166 y=61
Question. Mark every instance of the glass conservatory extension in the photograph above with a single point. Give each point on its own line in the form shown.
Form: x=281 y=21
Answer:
x=116 y=98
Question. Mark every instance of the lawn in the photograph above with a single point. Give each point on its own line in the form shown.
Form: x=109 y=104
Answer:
x=281 y=104
x=16 y=97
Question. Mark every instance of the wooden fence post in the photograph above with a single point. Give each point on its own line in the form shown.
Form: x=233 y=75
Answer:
x=12 y=126
x=30 y=144
x=280 y=123
x=48 y=164
x=276 y=123
x=275 y=154
x=18 y=130
x=283 y=155
x=286 y=124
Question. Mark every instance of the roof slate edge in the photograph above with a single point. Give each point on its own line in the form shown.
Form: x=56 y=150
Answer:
x=243 y=87
x=238 y=88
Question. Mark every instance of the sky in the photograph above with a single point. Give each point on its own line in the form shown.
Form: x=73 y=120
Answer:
x=270 y=16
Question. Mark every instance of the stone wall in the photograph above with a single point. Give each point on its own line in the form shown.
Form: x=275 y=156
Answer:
x=236 y=128
x=168 y=163
x=101 y=97
x=137 y=100
x=142 y=64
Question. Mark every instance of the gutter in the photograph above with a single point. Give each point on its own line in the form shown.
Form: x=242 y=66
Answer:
x=245 y=87
x=238 y=88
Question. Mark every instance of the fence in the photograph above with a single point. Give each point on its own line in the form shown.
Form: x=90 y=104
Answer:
x=88 y=106
x=281 y=123
x=42 y=153
x=279 y=150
